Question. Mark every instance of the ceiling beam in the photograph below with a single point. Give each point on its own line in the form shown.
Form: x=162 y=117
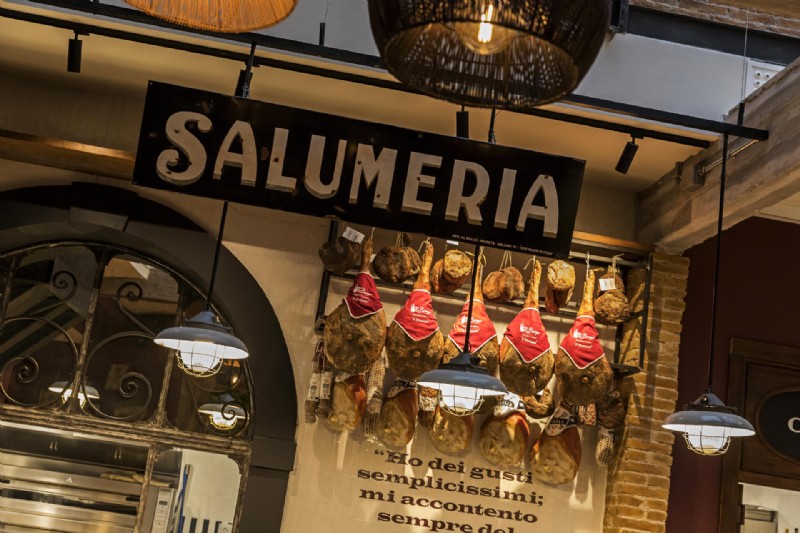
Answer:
x=677 y=213
x=69 y=155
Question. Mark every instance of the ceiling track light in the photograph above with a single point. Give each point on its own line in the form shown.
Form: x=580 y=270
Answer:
x=626 y=158
x=707 y=423
x=246 y=75
x=203 y=342
x=74 y=53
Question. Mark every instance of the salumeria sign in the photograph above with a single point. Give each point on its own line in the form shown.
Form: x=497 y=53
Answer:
x=274 y=156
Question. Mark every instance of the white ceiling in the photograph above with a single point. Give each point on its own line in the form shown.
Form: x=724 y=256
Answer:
x=110 y=65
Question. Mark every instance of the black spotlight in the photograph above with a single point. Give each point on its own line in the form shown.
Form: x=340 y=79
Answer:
x=628 y=153
x=243 y=84
x=74 y=54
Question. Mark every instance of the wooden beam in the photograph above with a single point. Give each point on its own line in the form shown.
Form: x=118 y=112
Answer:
x=69 y=155
x=675 y=214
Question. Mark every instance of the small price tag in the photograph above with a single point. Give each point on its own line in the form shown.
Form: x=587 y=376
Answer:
x=454 y=243
x=607 y=284
x=352 y=235
x=327 y=378
x=313 y=388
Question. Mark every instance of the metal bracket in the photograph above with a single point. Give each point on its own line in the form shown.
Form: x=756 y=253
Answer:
x=619 y=16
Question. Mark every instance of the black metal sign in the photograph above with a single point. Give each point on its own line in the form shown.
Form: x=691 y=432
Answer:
x=274 y=156
x=778 y=423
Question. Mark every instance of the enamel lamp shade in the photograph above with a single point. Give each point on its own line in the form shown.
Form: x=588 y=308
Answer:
x=202 y=343
x=65 y=390
x=223 y=415
x=708 y=424
x=462 y=385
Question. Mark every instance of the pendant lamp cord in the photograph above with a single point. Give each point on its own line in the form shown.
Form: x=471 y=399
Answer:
x=216 y=255
x=717 y=259
x=475 y=260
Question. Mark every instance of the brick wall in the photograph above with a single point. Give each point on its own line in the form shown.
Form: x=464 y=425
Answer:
x=638 y=482
x=772 y=17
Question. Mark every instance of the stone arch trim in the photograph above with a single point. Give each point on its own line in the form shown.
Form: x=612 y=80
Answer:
x=100 y=213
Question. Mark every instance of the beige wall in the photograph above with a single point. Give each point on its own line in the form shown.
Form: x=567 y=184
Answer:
x=280 y=250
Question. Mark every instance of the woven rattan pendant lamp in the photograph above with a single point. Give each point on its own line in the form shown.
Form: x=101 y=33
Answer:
x=490 y=53
x=222 y=16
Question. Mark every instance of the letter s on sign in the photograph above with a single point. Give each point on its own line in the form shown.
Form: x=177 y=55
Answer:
x=794 y=424
x=186 y=142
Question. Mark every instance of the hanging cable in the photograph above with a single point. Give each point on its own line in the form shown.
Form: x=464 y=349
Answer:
x=475 y=261
x=216 y=255
x=717 y=258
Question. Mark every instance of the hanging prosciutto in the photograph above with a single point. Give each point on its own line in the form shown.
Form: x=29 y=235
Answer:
x=526 y=361
x=355 y=331
x=482 y=334
x=503 y=437
x=414 y=343
x=582 y=371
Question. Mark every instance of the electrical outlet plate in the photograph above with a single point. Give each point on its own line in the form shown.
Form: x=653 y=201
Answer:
x=759 y=73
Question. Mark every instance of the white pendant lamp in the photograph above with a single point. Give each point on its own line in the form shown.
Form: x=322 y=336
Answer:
x=65 y=390
x=707 y=423
x=225 y=414
x=462 y=383
x=203 y=342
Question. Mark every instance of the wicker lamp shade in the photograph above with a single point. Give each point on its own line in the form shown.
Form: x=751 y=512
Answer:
x=222 y=16
x=490 y=53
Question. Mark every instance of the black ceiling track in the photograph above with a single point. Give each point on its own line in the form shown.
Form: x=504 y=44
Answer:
x=344 y=56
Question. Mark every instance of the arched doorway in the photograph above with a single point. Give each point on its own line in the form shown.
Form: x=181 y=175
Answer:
x=124 y=231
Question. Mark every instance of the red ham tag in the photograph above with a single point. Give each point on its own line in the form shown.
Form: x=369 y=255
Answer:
x=480 y=332
x=581 y=345
x=527 y=335
x=363 y=299
x=416 y=317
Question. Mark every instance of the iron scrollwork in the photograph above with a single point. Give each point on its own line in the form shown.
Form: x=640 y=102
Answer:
x=132 y=385
x=26 y=369
x=133 y=292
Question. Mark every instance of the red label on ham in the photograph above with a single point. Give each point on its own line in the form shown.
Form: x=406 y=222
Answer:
x=480 y=332
x=527 y=335
x=581 y=345
x=416 y=317
x=362 y=299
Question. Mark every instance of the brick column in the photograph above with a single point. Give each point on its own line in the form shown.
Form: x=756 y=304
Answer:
x=638 y=481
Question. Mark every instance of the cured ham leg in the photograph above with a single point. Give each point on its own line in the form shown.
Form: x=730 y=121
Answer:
x=414 y=343
x=450 y=433
x=526 y=360
x=582 y=371
x=556 y=456
x=504 y=434
x=483 y=335
x=399 y=414
x=355 y=331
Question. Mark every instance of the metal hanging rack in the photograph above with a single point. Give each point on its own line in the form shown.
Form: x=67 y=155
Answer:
x=634 y=259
